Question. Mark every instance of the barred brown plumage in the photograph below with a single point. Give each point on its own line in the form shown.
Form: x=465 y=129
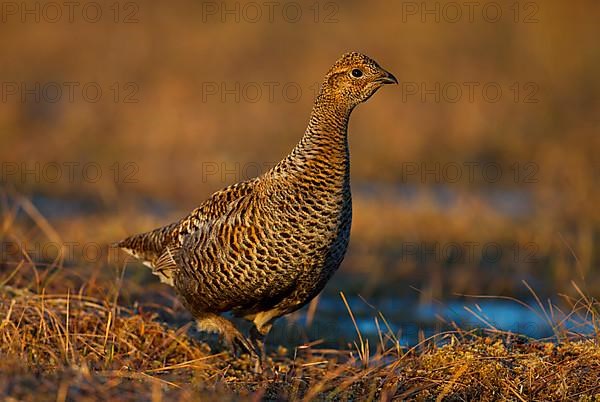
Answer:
x=265 y=247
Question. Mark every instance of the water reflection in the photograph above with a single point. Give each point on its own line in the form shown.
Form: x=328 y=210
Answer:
x=408 y=320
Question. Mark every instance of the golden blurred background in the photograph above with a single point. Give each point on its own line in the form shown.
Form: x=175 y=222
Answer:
x=117 y=117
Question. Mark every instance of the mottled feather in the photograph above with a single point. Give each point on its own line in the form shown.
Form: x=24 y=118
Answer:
x=265 y=247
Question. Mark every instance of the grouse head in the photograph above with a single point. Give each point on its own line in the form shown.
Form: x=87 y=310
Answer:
x=354 y=78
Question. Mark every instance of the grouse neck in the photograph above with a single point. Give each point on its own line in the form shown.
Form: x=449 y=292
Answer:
x=327 y=130
x=324 y=146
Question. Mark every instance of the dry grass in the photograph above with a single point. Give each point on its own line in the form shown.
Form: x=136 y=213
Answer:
x=67 y=333
x=78 y=332
x=68 y=347
x=71 y=329
x=174 y=132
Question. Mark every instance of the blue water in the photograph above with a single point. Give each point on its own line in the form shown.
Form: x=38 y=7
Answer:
x=511 y=202
x=408 y=320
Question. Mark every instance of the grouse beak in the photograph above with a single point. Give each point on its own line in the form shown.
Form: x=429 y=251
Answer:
x=388 y=78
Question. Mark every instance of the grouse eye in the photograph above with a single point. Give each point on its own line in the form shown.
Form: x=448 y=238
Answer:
x=356 y=73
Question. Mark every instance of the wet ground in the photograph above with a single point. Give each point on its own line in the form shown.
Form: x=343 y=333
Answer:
x=410 y=320
x=405 y=318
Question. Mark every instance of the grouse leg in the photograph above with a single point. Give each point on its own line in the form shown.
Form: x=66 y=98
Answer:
x=237 y=342
x=257 y=337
